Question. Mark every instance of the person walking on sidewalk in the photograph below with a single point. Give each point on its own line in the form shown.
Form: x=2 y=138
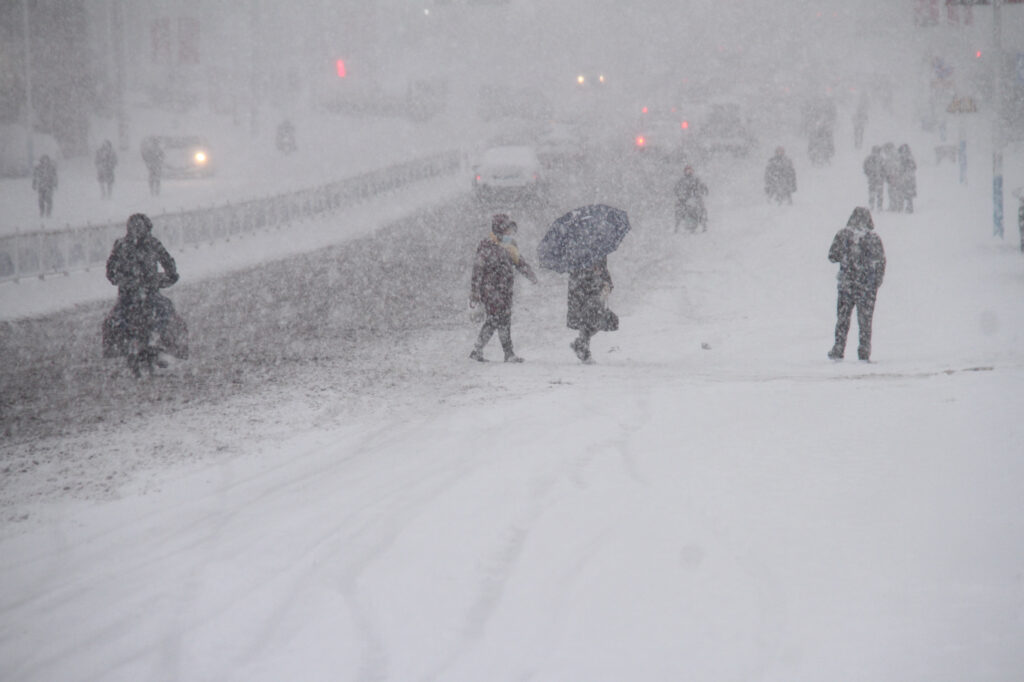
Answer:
x=153 y=156
x=497 y=259
x=861 y=257
x=874 y=169
x=588 y=311
x=44 y=182
x=106 y=161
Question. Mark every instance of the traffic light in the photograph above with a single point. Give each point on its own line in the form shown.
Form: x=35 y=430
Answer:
x=339 y=66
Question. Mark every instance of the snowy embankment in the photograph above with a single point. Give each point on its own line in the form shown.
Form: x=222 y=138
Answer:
x=713 y=500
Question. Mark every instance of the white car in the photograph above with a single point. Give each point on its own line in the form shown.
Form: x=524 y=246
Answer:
x=509 y=173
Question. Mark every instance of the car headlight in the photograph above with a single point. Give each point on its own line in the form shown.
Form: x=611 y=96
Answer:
x=200 y=158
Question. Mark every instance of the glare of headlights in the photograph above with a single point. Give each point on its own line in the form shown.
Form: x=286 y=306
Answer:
x=200 y=157
x=581 y=80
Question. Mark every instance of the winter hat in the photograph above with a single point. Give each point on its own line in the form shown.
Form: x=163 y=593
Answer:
x=501 y=224
x=861 y=217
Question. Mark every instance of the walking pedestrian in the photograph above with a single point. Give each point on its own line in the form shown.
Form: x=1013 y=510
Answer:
x=906 y=179
x=106 y=161
x=588 y=311
x=861 y=257
x=153 y=155
x=874 y=169
x=44 y=182
x=497 y=260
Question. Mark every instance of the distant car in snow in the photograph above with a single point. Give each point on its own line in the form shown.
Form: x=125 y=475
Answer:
x=724 y=131
x=185 y=156
x=509 y=173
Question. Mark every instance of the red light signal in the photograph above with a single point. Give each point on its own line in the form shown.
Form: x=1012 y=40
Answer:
x=640 y=141
x=339 y=66
x=685 y=125
x=977 y=55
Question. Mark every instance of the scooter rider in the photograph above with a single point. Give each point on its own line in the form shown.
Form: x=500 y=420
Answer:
x=690 y=192
x=134 y=267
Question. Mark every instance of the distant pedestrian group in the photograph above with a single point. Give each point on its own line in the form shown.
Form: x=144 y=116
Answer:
x=892 y=169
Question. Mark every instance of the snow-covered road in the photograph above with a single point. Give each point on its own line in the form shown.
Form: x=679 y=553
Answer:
x=713 y=500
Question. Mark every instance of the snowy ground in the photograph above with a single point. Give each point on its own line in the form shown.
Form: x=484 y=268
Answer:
x=713 y=500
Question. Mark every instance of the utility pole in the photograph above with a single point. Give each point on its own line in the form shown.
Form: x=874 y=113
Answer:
x=117 y=38
x=29 y=113
x=997 y=124
x=254 y=67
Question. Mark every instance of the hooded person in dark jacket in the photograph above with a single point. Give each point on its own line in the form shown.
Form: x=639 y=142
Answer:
x=588 y=312
x=139 y=266
x=858 y=250
x=497 y=259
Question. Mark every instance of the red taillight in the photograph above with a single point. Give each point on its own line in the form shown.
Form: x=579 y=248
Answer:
x=644 y=110
x=685 y=125
x=478 y=178
x=640 y=141
x=339 y=66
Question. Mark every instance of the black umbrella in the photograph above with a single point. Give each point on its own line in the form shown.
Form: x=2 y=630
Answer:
x=581 y=237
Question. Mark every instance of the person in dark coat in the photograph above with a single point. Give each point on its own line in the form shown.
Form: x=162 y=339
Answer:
x=153 y=156
x=858 y=250
x=134 y=266
x=106 y=161
x=905 y=179
x=874 y=169
x=890 y=170
x=44 y=182
x=780 y=177
x=690 y=191
x=497 y=260
x=588 y=311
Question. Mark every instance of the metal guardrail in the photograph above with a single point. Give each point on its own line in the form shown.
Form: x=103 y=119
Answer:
x=51 y=252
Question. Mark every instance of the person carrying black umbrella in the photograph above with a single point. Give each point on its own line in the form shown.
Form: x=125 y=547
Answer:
x=497 y=259
x=588 y=311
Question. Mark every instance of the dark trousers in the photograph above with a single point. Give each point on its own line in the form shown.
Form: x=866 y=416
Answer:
x=497 y=323
x=864 y=301
x=875 y=196
x=45 y=202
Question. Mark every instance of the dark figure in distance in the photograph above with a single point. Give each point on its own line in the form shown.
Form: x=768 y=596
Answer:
x=858 y=250
x=860 y=120
x=286 y=137
x=588 y=311
x=497 y=259
x=153 y=155
x=106 y=161
x=690 y=192
x=890 y=169
x=780 y=177
x=44 y=182
x=874 y=169
x=905 y=180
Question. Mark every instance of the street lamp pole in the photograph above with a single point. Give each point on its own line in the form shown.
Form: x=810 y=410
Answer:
x=997 y=125
x=29 y=114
